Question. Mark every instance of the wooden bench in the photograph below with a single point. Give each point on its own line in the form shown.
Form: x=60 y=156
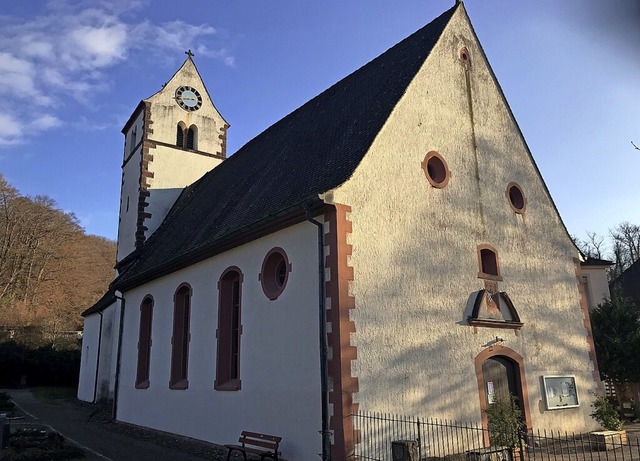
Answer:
x=266 y=446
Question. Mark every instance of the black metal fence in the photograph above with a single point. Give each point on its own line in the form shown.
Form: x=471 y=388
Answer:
x=378 y=435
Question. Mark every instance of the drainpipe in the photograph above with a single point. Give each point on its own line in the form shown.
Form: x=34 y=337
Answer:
x=324 y=380
x=118 y=355
x=95 y=383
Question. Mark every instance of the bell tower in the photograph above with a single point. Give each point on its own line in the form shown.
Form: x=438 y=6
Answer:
x=172 y=139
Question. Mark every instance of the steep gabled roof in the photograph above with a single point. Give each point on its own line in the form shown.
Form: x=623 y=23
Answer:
x=310 y=151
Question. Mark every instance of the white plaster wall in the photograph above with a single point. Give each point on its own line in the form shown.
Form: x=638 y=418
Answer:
x=597 y=284
x=88 y=361
x=415 y=351
x=105 y=364
x=279 y=365
x=173 y=170
x=129 y=193
x=108 y=352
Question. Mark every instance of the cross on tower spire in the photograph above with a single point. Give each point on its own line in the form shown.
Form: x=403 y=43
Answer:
x=189 y=53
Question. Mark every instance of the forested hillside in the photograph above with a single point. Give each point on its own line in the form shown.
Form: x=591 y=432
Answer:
x=50 y=270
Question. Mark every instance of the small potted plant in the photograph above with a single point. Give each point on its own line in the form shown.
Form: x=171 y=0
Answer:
x=607 y=416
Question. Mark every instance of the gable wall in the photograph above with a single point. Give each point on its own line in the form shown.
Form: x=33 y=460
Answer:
x=415 y=259
x=167 y=114
x=280 y=369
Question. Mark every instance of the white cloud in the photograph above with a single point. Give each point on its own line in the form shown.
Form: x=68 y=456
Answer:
x=9 y=129
x=67 y=52
x=14 y=130
x=97 y=47
x=45 y=122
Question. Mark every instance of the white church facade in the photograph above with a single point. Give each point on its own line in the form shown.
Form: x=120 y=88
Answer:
x=390 y=246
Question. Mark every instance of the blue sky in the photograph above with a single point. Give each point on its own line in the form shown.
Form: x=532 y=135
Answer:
x=73 y=71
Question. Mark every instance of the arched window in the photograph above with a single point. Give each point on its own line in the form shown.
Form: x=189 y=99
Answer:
x=229 y=330
x=192 y=138
x=180 y=136
x=144 y=343
x=181 y=338
x=488 y=263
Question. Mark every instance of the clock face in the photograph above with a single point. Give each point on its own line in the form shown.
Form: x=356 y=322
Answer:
x=188 y=98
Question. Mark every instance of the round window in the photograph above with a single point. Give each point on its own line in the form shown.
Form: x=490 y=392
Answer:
x=516 y=197
x=275 y=272
x=436 y=170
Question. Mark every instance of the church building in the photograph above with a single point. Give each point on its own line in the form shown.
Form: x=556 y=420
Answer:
x=390 y=246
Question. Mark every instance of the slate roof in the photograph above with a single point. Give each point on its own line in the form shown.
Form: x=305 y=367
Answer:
x=107 y=300
x=589 y=261
x=310 y=151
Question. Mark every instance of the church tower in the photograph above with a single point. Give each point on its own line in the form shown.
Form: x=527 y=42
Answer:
x=171 y=140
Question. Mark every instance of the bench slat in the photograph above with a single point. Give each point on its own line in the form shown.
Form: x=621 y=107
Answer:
x=256 y=435
x=259 y=443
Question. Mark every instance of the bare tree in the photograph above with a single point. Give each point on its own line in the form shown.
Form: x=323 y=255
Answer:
x=50 y=271
x=593 y=247
x=625 y=239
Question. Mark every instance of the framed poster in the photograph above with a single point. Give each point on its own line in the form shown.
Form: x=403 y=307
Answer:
x=560 y=392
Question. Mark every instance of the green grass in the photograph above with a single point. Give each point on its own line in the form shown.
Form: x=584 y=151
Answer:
x=50 y=394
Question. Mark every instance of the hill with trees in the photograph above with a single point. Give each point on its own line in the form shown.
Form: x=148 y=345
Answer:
x=50 y=270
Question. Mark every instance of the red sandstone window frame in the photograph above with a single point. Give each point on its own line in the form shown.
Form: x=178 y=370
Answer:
x=515 y=196
x=229 y=330
x=465 y=56
x=436 y=170
x=274 y=274
x=181 y=337
x=144 y=343
x=488 y=263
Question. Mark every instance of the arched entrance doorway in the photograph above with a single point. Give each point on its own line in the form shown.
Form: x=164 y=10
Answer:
x=499 y=376
x=500 y=371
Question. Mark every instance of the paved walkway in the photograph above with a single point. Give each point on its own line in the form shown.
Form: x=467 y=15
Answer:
x=107 y=441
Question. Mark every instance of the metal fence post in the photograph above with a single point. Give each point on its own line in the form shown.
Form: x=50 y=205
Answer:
x=4 y=431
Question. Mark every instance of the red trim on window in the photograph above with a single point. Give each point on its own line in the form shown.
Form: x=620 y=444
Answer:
x=516 y=197
x=488 y=263
x=181 y=337
x=436 y=170
x=229 y=330
x=144 y=343
x=274 y=273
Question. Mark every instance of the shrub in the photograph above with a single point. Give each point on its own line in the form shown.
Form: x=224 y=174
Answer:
x=504 y=419
x=606 y=414
x=42 y=366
